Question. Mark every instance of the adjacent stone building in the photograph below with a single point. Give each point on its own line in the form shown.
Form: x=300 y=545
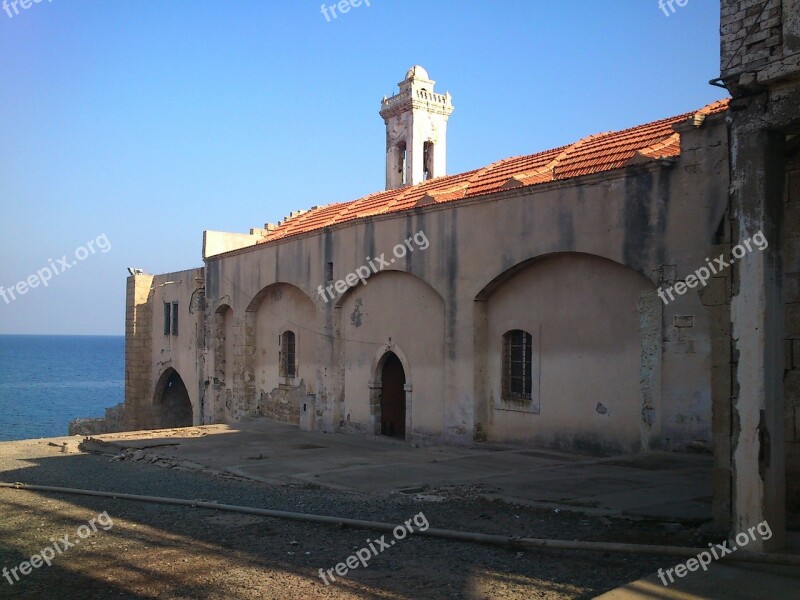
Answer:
x=550 y=299
x=757 y=433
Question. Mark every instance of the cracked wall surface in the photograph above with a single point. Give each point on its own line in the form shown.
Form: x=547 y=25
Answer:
x=760 y=66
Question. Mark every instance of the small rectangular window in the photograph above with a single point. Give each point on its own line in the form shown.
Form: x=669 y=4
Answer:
x=287 y=358
x=167 y=317
x=174 y=318
x=329 y=272
x=517 y=367
x=290 y=367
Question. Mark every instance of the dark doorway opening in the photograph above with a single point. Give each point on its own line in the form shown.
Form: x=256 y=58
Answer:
x=393 y=398
x=174 y=407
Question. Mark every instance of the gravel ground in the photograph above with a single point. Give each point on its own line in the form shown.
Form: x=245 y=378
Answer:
x=165 y=552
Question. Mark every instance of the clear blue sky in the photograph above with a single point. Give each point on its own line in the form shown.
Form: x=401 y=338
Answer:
x=152 y=121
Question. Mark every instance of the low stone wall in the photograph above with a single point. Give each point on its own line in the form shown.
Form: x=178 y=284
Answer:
x=113 y=422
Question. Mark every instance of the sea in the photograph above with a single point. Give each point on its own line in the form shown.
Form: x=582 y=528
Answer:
x=48 y=380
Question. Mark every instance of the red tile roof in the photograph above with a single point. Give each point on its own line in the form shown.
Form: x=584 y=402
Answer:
x=594 y=154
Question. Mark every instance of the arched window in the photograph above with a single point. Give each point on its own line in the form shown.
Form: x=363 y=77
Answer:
x=287 y=362
x=517 y=367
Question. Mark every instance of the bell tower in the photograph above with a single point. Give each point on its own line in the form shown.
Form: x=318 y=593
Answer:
x=416 y=131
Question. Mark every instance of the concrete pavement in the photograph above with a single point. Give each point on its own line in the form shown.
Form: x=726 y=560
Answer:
x=664 y=486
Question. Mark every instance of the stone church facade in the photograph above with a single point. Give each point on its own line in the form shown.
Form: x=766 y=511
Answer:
x=550 y=299
x=530 y=312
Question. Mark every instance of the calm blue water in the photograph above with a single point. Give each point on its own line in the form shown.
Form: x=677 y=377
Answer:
x=45 y=381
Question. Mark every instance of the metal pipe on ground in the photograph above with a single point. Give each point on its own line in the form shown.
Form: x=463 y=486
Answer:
x=516 y=543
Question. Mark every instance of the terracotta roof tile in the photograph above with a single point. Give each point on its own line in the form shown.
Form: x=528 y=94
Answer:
x=593 y=154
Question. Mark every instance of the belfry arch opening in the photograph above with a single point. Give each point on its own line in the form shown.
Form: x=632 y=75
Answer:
x=173 y=408
x=427 y=160
x=401 y=164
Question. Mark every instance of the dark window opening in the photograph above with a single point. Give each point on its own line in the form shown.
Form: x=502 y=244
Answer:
x=174 y=318
x=517 y=363
x=401 y=162
x=167 y=318
x=287 y=362
x=329 y=272
x=427 y=159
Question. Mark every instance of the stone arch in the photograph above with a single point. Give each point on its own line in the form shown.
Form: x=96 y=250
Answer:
x=380 y=357
x=596 y=326
x=401 y=313
x=385 y=273
x=172 y=406
x=276 y=308
x=376 y=385
x=489 y=288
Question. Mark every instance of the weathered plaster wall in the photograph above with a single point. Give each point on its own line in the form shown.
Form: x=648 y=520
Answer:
x=217 y=242
x=584 y=317
x=279 y=308
x=183 y=353
x=791 y=290
x=221 y=364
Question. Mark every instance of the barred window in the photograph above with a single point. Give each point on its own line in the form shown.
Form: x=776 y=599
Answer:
x=517 y=382
x=287 y=362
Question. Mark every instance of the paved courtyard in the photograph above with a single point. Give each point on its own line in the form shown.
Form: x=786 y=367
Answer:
x=664 y=486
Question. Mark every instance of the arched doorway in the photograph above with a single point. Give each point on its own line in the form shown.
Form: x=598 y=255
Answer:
x=173 y=406
x=393 y=398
